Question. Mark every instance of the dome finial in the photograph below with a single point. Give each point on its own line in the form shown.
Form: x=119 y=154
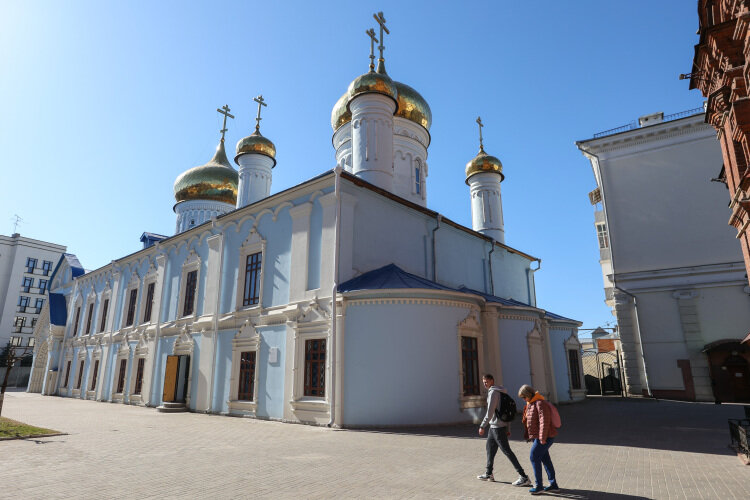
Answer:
x=381 y=21
x=481 y=145
x=373 y=39
x=224 y=111
x=260 y=102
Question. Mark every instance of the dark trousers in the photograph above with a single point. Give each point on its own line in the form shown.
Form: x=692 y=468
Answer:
x=498 y=437
x=540 y=455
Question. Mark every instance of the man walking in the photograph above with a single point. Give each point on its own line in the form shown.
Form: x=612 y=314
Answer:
x=498 y=434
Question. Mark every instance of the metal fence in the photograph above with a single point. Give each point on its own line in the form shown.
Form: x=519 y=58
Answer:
x=601 y=371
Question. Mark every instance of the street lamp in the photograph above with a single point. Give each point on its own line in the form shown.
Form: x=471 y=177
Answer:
x=16 y=351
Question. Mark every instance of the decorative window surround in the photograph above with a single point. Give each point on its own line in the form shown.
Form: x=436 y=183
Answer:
x=63 y=389
x=184 y=346
x=133 y=284
x=313 y=323
x=76 y=316
x=192 y=263
x=89 y=319
x=149 y=279
x=96 y=355
x=79 y=370
x=253 y=244
x=470 y=327
x=246 y=339
x=102 y=316
x=140 y=353
x=122 y=353
x=573 y=344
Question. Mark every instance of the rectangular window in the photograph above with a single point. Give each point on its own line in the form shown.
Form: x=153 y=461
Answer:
x=80 y=375
x=30 y=265
x=131 y=307
x=121 y=376
x=27 y=284
x=418 y=180
x=42 y=286
x=23 y=303
x=33 y=322
x=470 y=361
x=67 y=375
x=93 y=375
x=247 y=376
x=46 y=267
x=601 y=233
x=19 y=321
x=88 y=320
x=139 y=376
x=315 y=367
x=78 y=317
x=189 y=305
x=575 y=374
x=252 y=279
x=149 y=303
x=38 y=305
x=103 y=323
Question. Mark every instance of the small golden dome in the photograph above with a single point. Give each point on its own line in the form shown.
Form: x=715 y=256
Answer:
x=412 y=106
x=483 y=162
x=340 y=113
x=372 y=82
x=216 y=180
x=256 y=143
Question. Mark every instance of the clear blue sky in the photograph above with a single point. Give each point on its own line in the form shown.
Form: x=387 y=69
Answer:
x=103 y=104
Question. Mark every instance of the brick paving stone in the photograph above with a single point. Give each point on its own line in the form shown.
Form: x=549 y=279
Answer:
x=607 y=449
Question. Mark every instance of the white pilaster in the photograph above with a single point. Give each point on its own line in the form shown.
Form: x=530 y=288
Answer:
x=410 y=160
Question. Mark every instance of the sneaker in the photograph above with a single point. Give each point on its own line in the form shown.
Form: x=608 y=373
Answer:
x=486 y=477
x=536 y=490
x=521 y=481
x=552 y=486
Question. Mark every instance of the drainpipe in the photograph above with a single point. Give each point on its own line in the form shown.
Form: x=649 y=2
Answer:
x=600 y=176
x=434 y=255
x=530 y=276
x=492 y=279
x=216 y=323
x=334 y=292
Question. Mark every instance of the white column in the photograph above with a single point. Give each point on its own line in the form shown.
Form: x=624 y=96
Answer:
x=255 y=178
x=486 y=205
x=372 y=139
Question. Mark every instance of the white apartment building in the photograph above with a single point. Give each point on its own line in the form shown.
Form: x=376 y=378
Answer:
x=25 y=267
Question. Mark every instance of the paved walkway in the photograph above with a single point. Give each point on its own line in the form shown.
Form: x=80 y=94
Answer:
x=608 y=449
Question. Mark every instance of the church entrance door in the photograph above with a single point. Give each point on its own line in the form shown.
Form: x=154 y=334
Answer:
x=176 y=379
x=730 y=370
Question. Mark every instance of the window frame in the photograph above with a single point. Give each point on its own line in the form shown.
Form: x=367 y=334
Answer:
x=307 y=368
x=473 y=359
x=103 y=315
x=31 y=263
x=27 y=284
x=192 y=263
x=247 y=339
x=46 y=267
x=89 y=317
x=147 y=303
x=122 y=371
x=470 y=327
x=254 y=243
x=130 y=308
x=602 y=235
x=140 y=369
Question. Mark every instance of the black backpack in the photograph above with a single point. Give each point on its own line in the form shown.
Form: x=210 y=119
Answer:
x=506 y=408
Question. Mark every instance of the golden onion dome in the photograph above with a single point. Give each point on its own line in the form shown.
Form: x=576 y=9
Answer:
x=483 y=162
x=373 y=83
x=256 y=143
x=340 y=113
x=216 y=180
x=412 y=106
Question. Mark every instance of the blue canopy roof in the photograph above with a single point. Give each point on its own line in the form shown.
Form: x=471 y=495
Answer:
x=58 y=312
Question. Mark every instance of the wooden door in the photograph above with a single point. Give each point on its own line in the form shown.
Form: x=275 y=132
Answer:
x=170 y=378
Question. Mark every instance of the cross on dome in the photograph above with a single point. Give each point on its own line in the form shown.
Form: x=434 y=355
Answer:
x=260 y=102
x=373 y=39
x=479 y=122
x=224 y=110
x=381 y=21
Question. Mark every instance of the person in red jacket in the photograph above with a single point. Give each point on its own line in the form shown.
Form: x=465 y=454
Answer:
x=538 y=422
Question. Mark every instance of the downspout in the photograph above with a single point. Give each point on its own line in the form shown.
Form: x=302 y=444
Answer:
x=492 y=278
x=600 y=176
x=216 y=324
x=334 y=292
x=530 y=277
x=434 y=255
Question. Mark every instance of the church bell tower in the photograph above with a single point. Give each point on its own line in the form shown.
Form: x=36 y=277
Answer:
x=483 y=176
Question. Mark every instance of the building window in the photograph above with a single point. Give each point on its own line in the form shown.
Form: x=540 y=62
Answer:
x=103 y=323
x=30 y=265
x=188 y=306
x=19 y=321
x=80 y=375
x=33 y=322
x=78 y=317
x=88 y=320
x=42 y=286
x=27 y=284
x=139 y=376
x=23 y=303
x=247 y=376
x=93 y=375
x=46 y=267
x=315 y=367
x=38 y=305
x=601 y=232
x=121 y=376
x=67 y=374
x=252 y=279
x=470 y=361
x=149 y=302
x=575 y=374
x=417 y=180
x=131 y=307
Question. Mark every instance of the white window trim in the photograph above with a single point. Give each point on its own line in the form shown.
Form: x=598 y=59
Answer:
x=418 y=163
x=79 y=303
x=247 y=339
x=106 y=295
x=133 y=284
x=253 y=244
x=192 y=263
x=573 y=344
x=96 y=355
x=147 y=280
x=64 y=389
x=122 y=353
x=470 y=327
x=90 y=300
x=314 y=324
x=80 y=358
x=140 y=352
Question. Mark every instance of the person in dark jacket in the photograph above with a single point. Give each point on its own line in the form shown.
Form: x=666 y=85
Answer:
x=497 y=437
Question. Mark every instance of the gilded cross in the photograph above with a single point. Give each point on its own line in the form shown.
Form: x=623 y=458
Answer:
x=224 y=110
x=479 y=121
x=260 y=102
x=381 y=21
x=373 y=39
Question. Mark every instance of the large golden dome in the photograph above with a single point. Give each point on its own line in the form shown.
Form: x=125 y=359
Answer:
x=411 y=105
x=373 y=83
x=216 y=180
x=483 y=162
x=256 y=143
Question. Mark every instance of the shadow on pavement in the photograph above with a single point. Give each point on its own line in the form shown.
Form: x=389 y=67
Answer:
x=640 y=423
x=589 y=495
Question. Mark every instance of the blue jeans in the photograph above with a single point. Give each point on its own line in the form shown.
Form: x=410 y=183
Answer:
x=540 y=455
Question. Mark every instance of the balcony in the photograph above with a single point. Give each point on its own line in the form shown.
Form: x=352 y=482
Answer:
x=634 y=125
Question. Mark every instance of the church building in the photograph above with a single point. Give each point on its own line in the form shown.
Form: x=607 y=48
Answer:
x=342 y=301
